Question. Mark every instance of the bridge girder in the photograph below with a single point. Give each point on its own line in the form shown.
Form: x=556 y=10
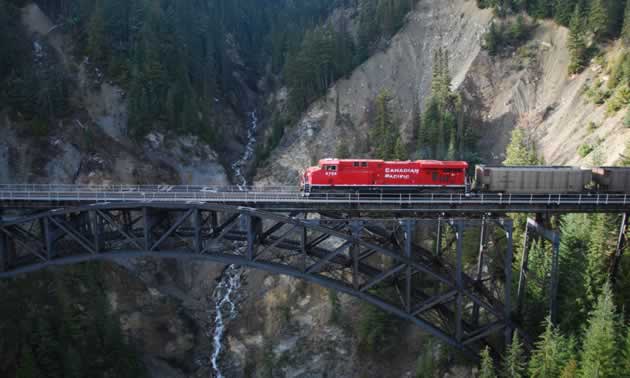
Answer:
x=374 y=259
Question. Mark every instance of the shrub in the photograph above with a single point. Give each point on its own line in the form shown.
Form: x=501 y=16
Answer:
x=585 y=149
x=620 y=99
x=592 y=126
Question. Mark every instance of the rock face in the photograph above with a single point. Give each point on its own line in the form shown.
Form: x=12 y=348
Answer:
x=531 y=89
x=403 y=68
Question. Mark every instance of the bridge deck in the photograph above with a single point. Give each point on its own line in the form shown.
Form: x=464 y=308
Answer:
x=286 y=198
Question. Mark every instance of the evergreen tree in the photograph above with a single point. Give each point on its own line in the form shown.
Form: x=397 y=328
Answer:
x=514 y=365
x=563 y=10
x=521 y=151
x=570 y=369
x=342 y=151
x=384 y=133
x=575 y=230
x=599 y=246
x=577 y=43
x=492 y=39
x=598 y=20
x=487 y=365
x=551 y=354
x=96 y=34
x=625 y=31
x=27 y=367
x=430 y=127
x=400 y=152
x=625 y=364
x=599 y=350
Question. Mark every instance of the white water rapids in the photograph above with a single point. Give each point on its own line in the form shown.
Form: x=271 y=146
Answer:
x=226 y=291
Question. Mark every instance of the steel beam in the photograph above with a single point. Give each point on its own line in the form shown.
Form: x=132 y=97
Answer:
x=480 y=265
x=522 y=277
x=555 y=271
x=409 y=233
x=507 y=301
x=355 y=252
x=123 y=230
x=197 y=224
x=459 y=312
x=5 y=263
x=621 y=244
x=172 y=229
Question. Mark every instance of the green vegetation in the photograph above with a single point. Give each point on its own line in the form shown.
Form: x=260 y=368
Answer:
x=441 y=131
x=177 y=60
x=487 y=366
x=521 y=150
x=514 y=359
x=385 y=134
x=326 y=53
x=556 y=355
x=377 y=329
x=585 y=149
x=506 y=35
x=60 y=325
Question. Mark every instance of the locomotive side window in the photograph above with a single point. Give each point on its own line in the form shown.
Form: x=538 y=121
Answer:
x=355 y=164
x=331 y=167
x=364 y=164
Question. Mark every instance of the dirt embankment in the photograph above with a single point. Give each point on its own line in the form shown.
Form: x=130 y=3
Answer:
x=531 y=89
x=403 y=68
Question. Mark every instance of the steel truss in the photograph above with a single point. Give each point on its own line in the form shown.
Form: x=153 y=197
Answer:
x=381 y=261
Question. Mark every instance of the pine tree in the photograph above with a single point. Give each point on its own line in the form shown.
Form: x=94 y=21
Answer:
x=625 y=31
x=552 y=353
x=575 y=230
x=625 y=364
x=514 y=359
x=577 y=43
x=598 y=21
x=492 y=39
x=599 y=350
x=431 y=125
x=342 y=151
x=400 y=152
x=570 y=370
x=563 y=10
x=383 y=133
x=520 y=151
x=487 y=365
x=96 y=34
x=596 y=259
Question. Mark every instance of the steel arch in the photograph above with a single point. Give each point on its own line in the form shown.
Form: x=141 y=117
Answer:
x=336 y=253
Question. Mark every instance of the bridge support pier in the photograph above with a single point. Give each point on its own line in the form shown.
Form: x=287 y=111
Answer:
x=535 y=227
x=480 y=262
x=621 y=244
x=4 y=252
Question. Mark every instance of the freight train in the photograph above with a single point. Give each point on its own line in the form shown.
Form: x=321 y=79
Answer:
x=366 y=175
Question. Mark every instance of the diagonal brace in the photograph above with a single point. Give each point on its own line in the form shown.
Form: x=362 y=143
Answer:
x=172 y=229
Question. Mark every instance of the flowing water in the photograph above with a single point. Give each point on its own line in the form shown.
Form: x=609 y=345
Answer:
x=226 y=292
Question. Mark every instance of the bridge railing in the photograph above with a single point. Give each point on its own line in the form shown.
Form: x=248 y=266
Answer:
x=167 y=193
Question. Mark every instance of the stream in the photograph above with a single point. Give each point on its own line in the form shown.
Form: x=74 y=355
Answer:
x=226 y=292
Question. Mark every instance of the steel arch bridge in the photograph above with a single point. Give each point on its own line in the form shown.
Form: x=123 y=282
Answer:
x=378 y=260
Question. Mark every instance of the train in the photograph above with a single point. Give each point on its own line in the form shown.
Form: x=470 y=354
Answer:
x=381 y=176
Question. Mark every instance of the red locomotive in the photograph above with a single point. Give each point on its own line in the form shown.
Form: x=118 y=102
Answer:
x=380 y=175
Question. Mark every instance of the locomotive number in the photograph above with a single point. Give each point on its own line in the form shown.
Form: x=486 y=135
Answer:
x=329 y=173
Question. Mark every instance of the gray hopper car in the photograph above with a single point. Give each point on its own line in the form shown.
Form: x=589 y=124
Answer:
x=612 y=179
x=531 y=179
